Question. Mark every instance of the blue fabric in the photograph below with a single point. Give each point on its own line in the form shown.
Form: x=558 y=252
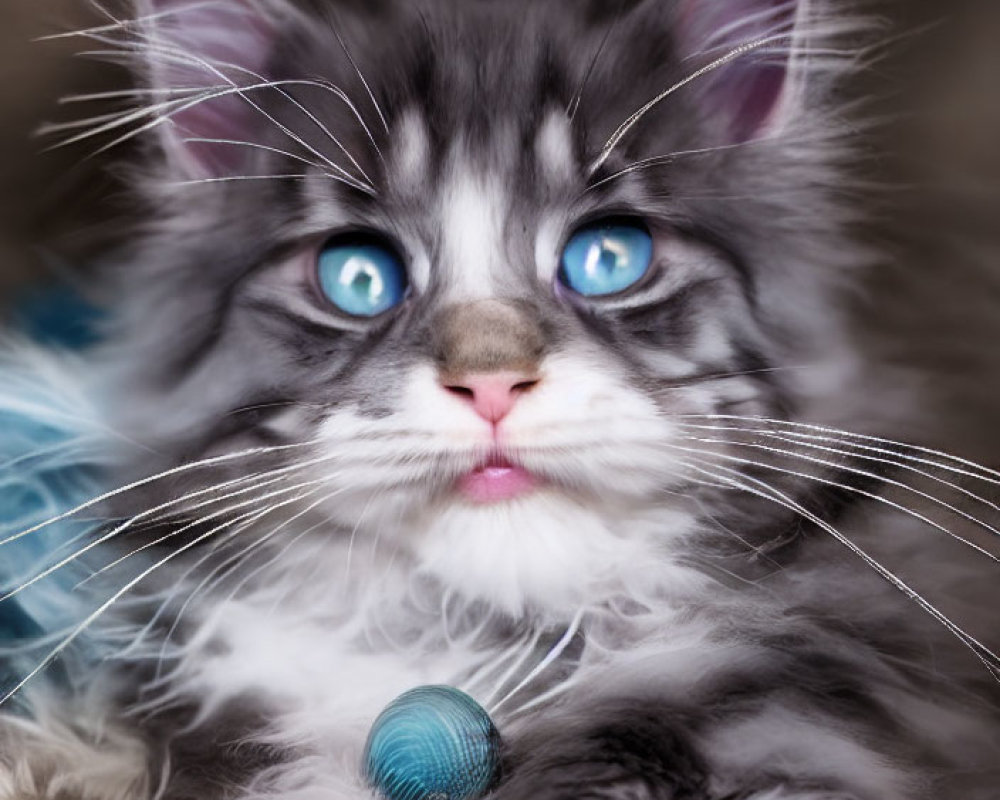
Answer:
x=36 y=484
x=57 y=315
x=44 y=472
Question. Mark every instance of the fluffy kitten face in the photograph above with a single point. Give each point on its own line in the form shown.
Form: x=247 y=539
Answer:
x=592 y=427
x=476 y=148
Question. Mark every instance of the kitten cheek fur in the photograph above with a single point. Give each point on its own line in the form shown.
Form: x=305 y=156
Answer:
x=705 y=642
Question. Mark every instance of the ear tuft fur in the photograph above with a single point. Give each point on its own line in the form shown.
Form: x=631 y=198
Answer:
x=747 y=93
x=197 y=47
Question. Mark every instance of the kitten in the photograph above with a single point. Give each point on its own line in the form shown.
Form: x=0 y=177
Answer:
x=485 y=344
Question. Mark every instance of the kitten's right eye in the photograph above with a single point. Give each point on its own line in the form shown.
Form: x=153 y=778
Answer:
x=361 y=274
x=606 y=257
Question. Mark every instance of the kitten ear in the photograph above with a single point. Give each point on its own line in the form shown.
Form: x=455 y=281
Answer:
x=749 y=94
x=194 y=48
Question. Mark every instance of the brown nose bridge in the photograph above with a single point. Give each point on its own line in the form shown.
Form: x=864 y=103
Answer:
x=487 y=336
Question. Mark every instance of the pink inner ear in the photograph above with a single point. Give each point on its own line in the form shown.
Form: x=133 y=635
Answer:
x=199 y=44
x=750 y=98
x=742 y=95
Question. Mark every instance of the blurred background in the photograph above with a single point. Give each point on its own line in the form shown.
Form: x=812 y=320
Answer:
x=935 y=302
x=50 y=202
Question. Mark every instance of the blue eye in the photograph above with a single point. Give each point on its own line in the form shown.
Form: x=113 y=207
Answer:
x=361 y=276
x=606 y=257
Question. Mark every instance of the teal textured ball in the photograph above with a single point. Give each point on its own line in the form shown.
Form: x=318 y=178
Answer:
x=432 y=743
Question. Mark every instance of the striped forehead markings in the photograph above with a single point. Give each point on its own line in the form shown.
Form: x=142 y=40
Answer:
x=554 y=147
x=475 y=201
x=474 y=208
x=412 y=150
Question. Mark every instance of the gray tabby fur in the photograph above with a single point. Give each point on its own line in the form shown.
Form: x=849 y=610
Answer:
x=708 y=642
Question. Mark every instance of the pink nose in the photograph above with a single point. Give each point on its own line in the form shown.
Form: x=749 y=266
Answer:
x=492 y=395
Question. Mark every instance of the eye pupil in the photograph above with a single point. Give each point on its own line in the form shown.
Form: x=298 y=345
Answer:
x=361 y=275
x=606 y=257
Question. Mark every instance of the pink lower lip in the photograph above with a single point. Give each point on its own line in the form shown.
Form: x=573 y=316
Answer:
x=496 y=481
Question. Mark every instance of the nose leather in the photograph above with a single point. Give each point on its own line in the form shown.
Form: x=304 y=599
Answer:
x=493 y=395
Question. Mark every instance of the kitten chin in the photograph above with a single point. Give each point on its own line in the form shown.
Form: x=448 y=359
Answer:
x=548 y=554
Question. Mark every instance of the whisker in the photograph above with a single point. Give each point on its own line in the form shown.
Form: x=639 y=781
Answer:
x=725 y=33
x=173 y=471
x=218 y=573
x=556 y=651
x=324 y=128
x=95 y=615
x=122 y=94
x=343 y=96
x=238 y=525
x=181 y=56
x=326 y=85
x=178 y=531
x=768 y=492
x=544 y=697
x=758 y=551
x=371 y=96
x=344 y=177
x=994 y=475
x=115 y=25
x=513 y=654
x=897 y=459
x=257 y=481
x=356 y=528
x=94 y=543
x=864 y=473
x=853 y=489
x=232 y=178
x=629 y=123
x=574 y=104
x=526 y=648
x=667 y=158
x=162 y=111
x=246 y=552
x=255 y=146
x=347 y=181
x=116 y=118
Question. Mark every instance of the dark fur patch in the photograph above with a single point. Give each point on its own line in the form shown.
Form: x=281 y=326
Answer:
x=631 y=751
x=216 y=758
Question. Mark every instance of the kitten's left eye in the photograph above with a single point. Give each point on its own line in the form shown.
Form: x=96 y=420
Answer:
x=606 y=257
x=362 y=275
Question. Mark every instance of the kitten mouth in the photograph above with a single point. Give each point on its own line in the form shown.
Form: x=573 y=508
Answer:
x=496 y=479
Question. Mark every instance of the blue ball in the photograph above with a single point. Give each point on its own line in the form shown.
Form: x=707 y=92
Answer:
x=432 y=743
